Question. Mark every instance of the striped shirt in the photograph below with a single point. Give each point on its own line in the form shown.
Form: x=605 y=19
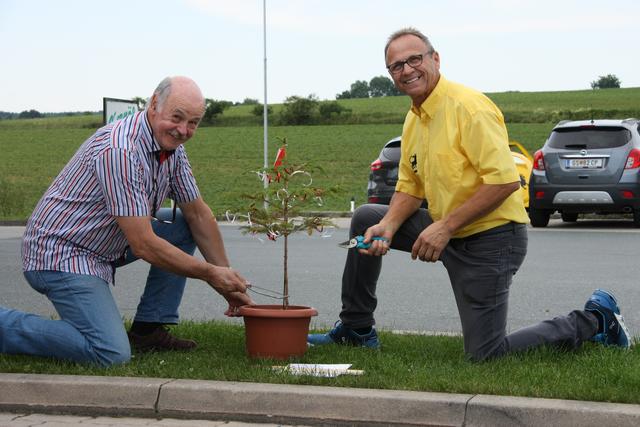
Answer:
x=116 y=172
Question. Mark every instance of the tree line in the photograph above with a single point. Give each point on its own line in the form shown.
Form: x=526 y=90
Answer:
x=296 y=110
x=376 y=87
x=35 y=114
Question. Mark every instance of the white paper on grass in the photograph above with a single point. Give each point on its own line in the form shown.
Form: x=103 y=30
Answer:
x=319 y=370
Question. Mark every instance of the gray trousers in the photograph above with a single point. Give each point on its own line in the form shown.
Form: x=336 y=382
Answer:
x=481 y=268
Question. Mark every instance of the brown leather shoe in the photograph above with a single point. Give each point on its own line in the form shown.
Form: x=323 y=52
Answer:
x=159 y=340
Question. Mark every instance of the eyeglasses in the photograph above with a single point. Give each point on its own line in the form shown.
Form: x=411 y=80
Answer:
x=413 y=61
x=155 y=190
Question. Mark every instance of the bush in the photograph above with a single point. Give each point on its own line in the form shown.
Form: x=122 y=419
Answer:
x=214 y=108
x=327 y=109
x=31 y=114
x=258 y=110
x=299 y=111
x=610 y=81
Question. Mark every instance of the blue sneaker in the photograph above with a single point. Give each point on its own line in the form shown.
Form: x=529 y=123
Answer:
x=611 y=327
x=341 y=334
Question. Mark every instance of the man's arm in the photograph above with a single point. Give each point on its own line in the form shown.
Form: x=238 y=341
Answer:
x=432 y=241
x=205 y=231
x=401 y=207
x=487 y=199
x=156 y=251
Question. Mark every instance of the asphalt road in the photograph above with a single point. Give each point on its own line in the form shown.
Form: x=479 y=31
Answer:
x=565 y=263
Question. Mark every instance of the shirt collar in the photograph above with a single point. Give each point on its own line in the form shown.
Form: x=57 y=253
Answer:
x=432 y=103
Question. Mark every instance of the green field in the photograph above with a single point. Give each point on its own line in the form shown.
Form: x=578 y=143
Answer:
x=222 y=159
x=521 y=107
x=35 y=150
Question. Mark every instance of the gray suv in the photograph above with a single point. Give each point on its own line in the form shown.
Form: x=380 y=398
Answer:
x=588 y=166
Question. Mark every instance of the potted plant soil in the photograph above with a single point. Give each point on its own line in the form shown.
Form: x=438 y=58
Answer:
x=279 y=331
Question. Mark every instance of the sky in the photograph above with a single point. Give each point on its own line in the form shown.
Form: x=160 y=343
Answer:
x=66 y=55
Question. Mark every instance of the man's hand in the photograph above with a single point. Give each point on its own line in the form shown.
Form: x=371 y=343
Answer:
x=226 y=280
x=236 y=300
x=232 y=286
x=378 y=247
x=431 y=242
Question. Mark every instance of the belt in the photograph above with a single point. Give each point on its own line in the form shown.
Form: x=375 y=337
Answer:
x=508 y=227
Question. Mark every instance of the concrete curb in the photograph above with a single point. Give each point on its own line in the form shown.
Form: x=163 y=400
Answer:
x=293 y=404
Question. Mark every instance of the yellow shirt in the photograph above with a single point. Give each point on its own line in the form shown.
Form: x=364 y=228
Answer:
x=453 y=143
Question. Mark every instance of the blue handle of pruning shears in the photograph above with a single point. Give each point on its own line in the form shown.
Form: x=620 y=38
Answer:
x=360 y=244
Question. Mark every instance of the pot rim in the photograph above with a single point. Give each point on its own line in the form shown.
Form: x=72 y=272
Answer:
x=275 y=310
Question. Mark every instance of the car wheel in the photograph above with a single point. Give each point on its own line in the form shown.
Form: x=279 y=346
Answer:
x=569 y=216
x=636 y=218
x=539 y=217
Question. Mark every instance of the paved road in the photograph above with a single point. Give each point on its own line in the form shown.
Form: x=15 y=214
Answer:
x=565 y=263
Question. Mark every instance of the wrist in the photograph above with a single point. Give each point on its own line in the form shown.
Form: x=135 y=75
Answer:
x=210 y=272
x=449 y=224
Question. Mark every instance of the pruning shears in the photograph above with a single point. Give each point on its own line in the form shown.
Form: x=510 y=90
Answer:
x=358 y=242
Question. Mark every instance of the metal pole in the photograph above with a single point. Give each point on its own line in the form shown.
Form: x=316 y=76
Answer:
x=265 y=114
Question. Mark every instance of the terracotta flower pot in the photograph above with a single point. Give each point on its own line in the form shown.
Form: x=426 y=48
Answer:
x=274 y=333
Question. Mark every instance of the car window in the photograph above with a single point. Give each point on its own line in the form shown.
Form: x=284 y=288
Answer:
x=589 y=138
x=391 y=147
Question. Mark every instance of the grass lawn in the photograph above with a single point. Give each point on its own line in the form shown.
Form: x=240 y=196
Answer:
x=405 y=362
x=35 y=150
x=521 y=107
x=222 y=159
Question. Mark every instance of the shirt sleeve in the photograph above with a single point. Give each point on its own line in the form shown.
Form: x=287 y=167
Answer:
x=486 y=142
x=184 y=188
x=120 y=177
x=408 y=181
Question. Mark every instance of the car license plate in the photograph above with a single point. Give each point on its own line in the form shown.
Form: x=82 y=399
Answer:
x=583 y=163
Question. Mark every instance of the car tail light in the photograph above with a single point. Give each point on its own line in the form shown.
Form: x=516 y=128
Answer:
x=376 y=165
x=633 y=160
x=626 y=194
x=538 y=161
x=374 y=200
x=539 y=195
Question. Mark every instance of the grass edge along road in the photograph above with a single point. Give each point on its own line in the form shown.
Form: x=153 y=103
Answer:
x=405 y=362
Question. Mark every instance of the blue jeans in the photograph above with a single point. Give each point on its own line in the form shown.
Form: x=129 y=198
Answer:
x=90 y=329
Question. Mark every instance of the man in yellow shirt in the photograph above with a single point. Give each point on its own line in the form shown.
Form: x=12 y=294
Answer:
x=455 y=154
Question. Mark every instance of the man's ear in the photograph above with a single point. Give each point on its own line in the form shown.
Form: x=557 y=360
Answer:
x=436 y=58
x=153 y=103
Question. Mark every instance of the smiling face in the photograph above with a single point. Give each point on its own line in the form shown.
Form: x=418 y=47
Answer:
x=176 y=119
x=419 y=81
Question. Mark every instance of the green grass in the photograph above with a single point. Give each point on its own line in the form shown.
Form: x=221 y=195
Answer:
x=35 y=150
x=405 y=362
x=605 y=99
x=222 y=158
x=518 y=107
x=88 y=121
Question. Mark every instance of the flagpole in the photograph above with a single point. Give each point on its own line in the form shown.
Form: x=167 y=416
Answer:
x=265 y=115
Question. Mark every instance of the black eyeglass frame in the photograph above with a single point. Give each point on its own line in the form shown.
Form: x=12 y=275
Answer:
x=398 y=66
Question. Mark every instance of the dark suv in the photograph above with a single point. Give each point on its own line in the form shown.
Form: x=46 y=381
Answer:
x=590 y=166
x=383 y=175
